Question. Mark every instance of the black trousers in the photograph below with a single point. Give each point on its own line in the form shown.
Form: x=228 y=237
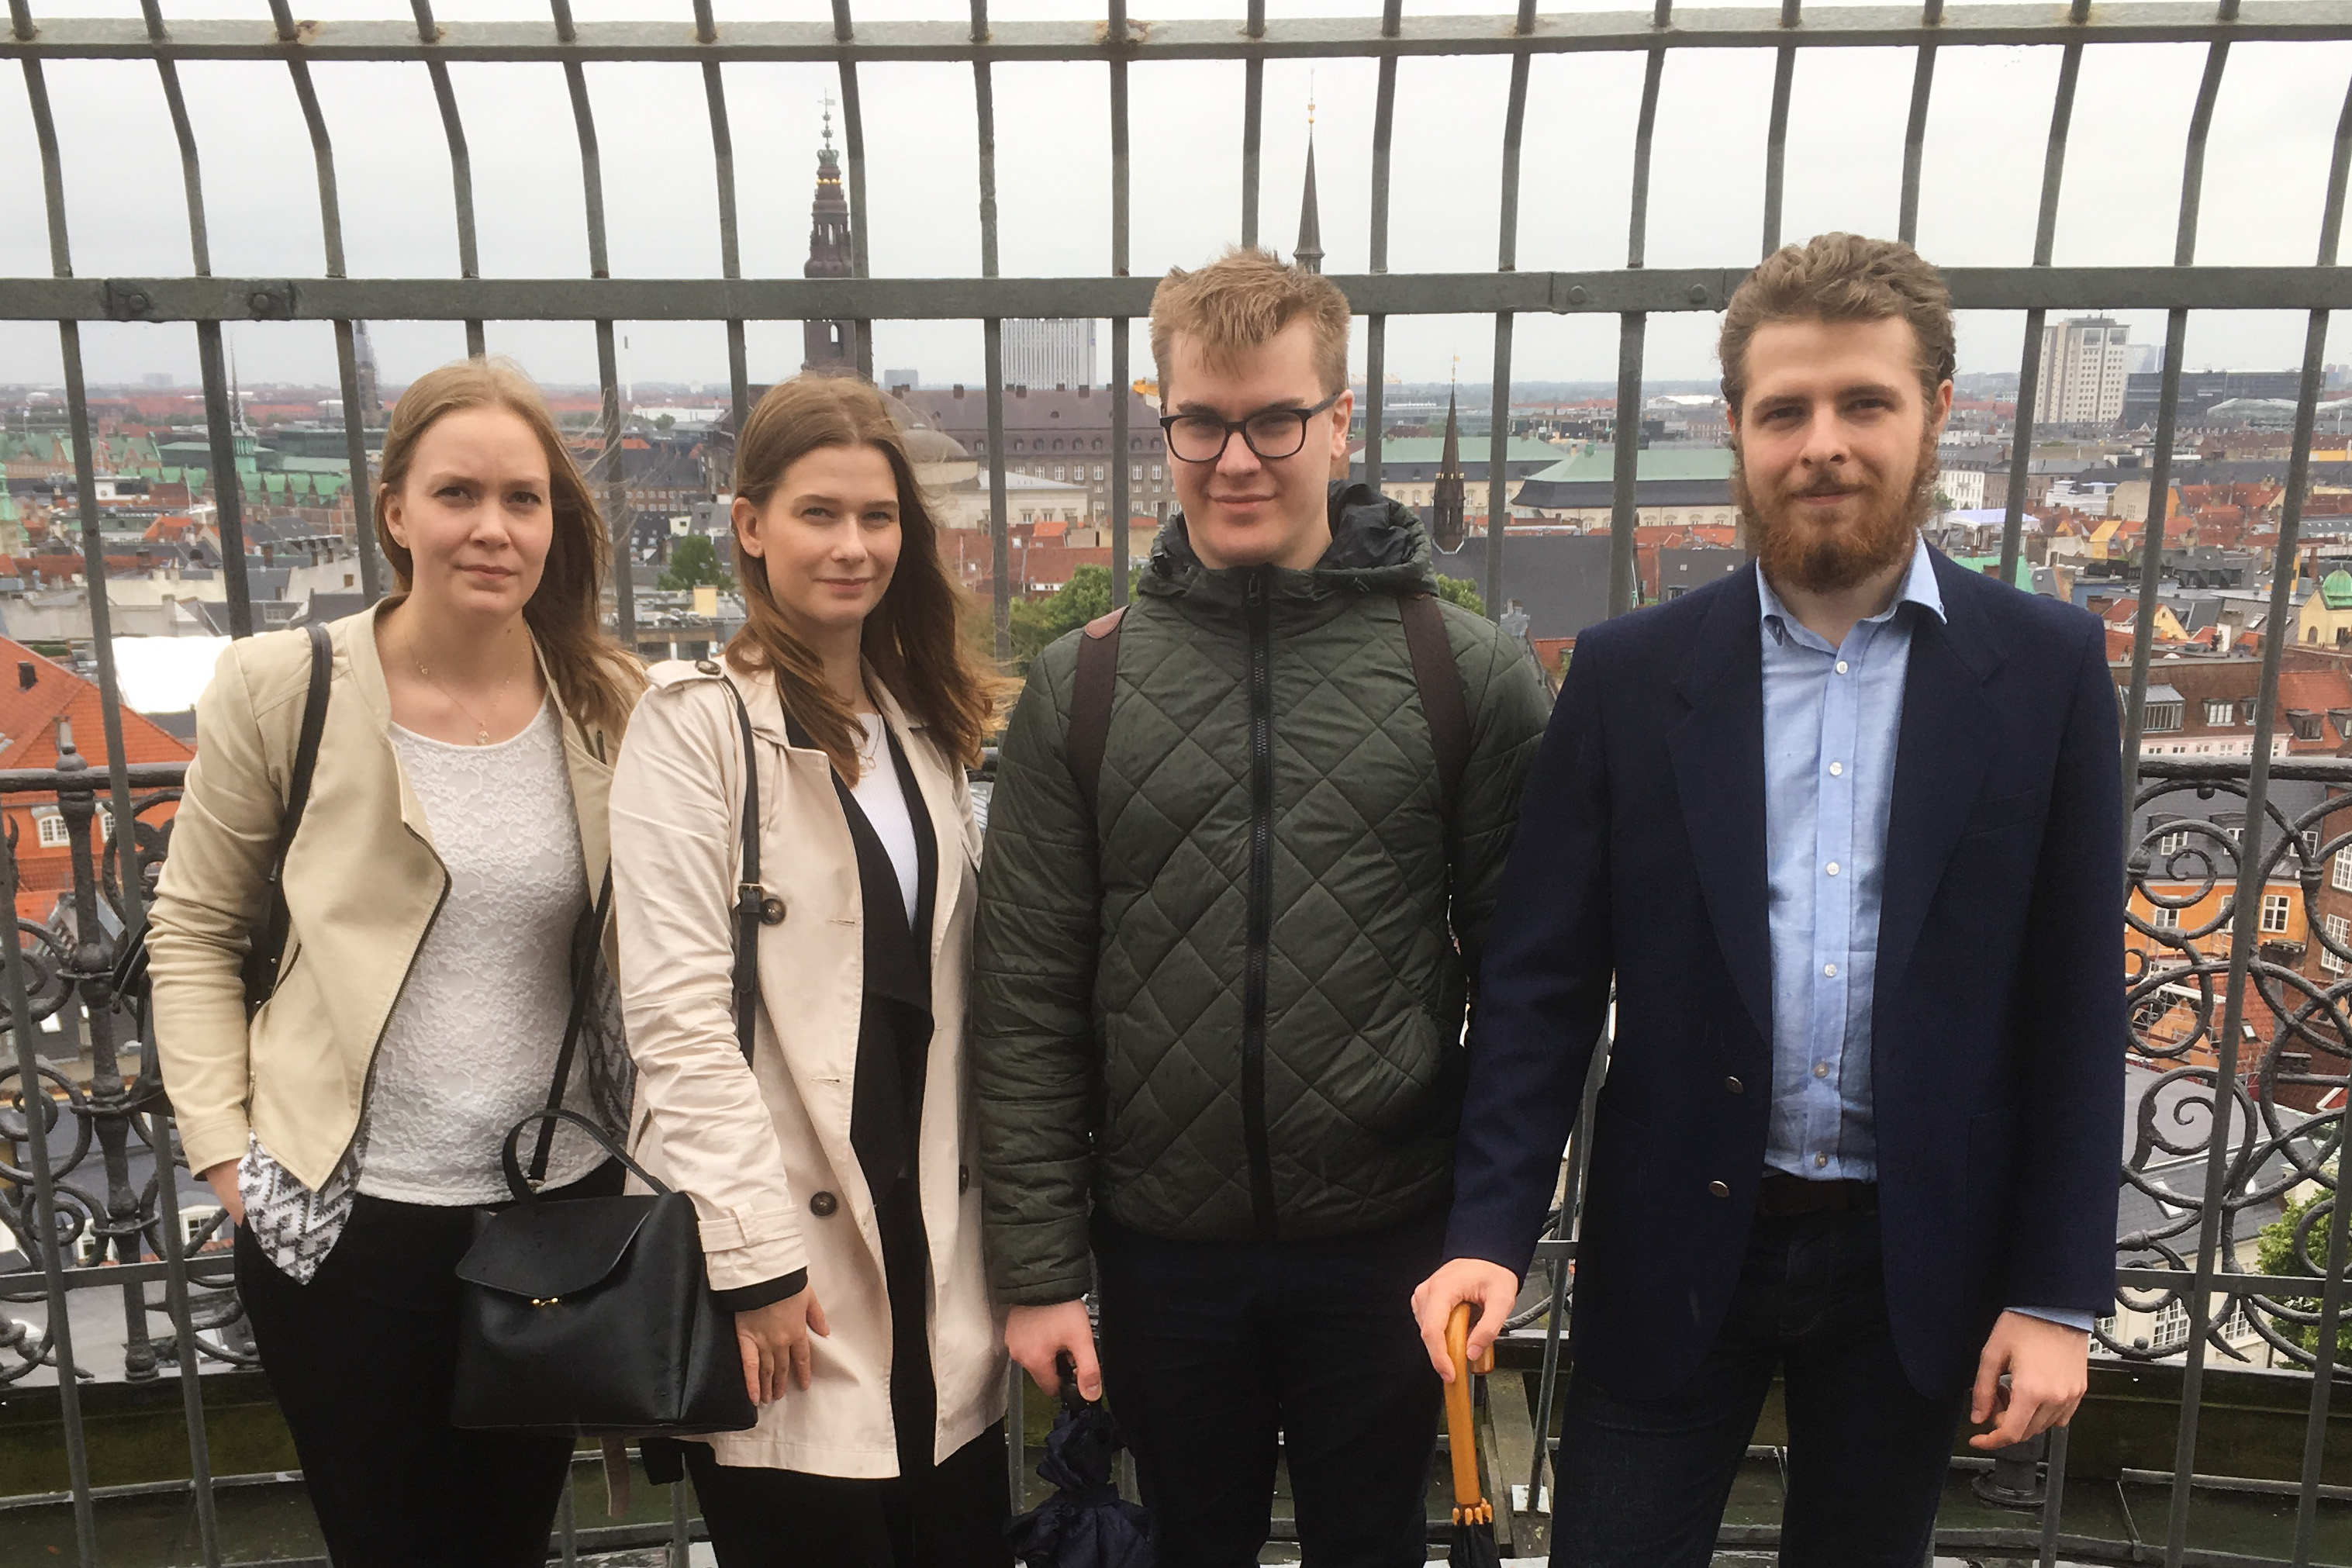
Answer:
x=946 y=1515
x=363 y=1361
x=1642 y=1482
x=1210 y=1349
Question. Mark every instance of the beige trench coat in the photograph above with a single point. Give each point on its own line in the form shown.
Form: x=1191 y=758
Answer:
x=756 y=1147
x=363 y=886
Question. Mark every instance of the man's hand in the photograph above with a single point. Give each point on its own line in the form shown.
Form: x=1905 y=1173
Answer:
x=775 y=1340
x=2049 y=1369
x=1488 y=1287
x=221 y=1179
x=1037 y=1336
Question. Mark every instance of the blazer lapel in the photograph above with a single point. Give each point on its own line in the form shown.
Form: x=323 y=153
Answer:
x=1717 y=750
x=1941 y=755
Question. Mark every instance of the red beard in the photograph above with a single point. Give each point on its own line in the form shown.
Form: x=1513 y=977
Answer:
x=1883 y=531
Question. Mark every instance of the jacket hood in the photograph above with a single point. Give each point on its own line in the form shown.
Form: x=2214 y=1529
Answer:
x=1378 y=546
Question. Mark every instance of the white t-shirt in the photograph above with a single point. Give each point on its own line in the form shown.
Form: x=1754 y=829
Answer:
x=884 y=804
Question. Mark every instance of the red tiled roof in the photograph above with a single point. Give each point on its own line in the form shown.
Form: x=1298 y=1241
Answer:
x=29 y=716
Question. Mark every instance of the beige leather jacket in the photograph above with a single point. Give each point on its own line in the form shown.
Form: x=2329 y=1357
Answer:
x=362 y=886
x=764 y=1149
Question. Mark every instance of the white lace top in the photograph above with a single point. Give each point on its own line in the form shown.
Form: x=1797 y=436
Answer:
x=471 y=1044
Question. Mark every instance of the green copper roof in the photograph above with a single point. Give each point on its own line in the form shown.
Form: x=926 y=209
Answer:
x=1596 y=460
x=2335 y=590
x=1475 y=449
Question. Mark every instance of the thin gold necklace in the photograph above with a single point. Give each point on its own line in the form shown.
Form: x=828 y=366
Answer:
x=481 y=729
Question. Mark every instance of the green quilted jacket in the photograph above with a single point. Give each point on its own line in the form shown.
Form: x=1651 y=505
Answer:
x=1236 y=1010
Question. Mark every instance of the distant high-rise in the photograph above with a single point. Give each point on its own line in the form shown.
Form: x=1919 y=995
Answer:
x=363 y=358
x=1046 y=354
x=901 y=377
x=2084 y=362
x=826 y=344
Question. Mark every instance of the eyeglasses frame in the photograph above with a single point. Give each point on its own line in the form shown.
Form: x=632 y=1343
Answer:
x=1239 y=427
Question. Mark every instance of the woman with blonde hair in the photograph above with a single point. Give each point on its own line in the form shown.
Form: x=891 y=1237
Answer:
x=831 y=1169
x=438 y=896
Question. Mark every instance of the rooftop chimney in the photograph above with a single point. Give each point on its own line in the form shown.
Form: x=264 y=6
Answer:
x=28 y=675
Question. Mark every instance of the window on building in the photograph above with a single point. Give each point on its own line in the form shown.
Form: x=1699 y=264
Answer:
x=1097 y=473
x=53 y=832
x=1060 y=470
x=2170 y=1329
x=2338 y=933
x=2305 y=722
x=1136 y=473
x=2158 y=718
x=2172 y=844
x=2340 y=877
x=1155 y=473
x=2275 y=909
x=2164 y=918
x=2221 y=714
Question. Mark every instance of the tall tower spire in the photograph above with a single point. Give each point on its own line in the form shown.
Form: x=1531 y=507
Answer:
x=830 y=256
x=1448 y=525
x=1309 y=252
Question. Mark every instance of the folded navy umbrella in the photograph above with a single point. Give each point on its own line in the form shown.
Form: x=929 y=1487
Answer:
x=1084 y=1523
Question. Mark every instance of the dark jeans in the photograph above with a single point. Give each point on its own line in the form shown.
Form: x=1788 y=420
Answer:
x=950 y=1515
x=363 y=1361
x=1642 y=1482
x=1212 y=1349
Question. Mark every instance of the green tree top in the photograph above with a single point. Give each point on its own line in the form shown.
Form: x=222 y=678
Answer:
x=694 y=563
x=1463 y=592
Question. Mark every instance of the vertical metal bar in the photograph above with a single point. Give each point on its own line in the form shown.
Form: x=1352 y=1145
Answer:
x=1915 y=141
x=1253 y=131
x=461 y=164
x=1499 y=421
x=191 y=167
x=1776 y=144
x=2339 y=1261
x=228 y=491
x=1632 y=328
x=355 y=451
x=2252 y=857
x=1122 y=503
x=2053 y=1497
x=2045 y=236
x=1375 y=328
x=992 y=344
x=853 y=139
x=681 y=1547
x=731 y=251
x=618 y=525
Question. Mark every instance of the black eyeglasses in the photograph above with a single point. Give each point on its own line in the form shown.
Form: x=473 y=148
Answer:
x=1272 y=433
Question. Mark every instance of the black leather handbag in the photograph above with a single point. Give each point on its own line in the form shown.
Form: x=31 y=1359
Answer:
x=595 y=1315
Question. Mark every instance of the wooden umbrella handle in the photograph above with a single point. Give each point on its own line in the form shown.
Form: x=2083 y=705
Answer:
x=1470 y=1504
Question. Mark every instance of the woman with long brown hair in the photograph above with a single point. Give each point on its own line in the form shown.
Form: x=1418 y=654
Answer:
x=437 y=893
x=831 y=1170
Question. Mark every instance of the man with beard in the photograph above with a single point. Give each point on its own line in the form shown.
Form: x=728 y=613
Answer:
x=1844 y=832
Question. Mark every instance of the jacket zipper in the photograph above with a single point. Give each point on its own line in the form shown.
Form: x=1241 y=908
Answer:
x=1261 y=902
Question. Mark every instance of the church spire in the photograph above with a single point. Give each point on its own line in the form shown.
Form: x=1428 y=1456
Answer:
x=1447 y=524
x=830 y=254
x=1309 y=253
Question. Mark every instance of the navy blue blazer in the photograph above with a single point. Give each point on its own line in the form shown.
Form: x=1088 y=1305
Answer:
x=1999 y=1018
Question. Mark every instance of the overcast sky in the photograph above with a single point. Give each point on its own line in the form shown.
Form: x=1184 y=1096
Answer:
x=2266 y=174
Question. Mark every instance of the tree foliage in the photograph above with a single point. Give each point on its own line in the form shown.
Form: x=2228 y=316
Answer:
x=1463 y=592
x=1038 y=623
x=694 y=563
x=2275 y=1254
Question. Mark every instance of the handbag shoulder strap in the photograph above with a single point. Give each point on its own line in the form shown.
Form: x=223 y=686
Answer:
x=750 y=897
x=586 y=938
x=270 y=951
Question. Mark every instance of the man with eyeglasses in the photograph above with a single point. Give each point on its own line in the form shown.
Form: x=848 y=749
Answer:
x=1242 y=851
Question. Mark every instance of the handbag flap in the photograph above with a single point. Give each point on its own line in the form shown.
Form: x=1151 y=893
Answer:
x=548 y=1250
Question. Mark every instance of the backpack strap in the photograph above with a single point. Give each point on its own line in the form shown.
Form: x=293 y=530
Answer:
x=1090 y=698
x=266 y=952
x=1440 y=680
x=751 y=896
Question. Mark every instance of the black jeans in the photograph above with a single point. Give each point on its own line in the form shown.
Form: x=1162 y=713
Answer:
x=1211 y=1349
x=363 y=1361
x=1642 y=1482
x=950 y=1515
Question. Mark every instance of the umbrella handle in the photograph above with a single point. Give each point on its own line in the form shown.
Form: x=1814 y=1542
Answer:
x=1470 y=1504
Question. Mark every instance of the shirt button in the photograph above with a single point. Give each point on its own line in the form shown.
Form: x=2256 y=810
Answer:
x=1820 y=1069
x=1719 y=1189
x=1733 y=1086
x=1830 y=970
x=1820 y=1162
x=1837 y=770
x=1831 y=867
x=1841 y=667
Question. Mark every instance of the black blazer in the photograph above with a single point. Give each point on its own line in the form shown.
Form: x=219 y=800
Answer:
x=1999 y=1018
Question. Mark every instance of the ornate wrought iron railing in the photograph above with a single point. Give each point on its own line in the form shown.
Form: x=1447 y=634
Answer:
x=2242 y=1046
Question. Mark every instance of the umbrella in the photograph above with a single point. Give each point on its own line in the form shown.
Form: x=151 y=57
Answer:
x=1471 y=1542
x=1086 y=1524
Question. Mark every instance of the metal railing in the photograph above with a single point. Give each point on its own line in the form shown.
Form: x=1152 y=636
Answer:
x=2223 y=1135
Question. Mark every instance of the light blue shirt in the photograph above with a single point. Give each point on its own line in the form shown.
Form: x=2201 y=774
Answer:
x=1832 y=717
